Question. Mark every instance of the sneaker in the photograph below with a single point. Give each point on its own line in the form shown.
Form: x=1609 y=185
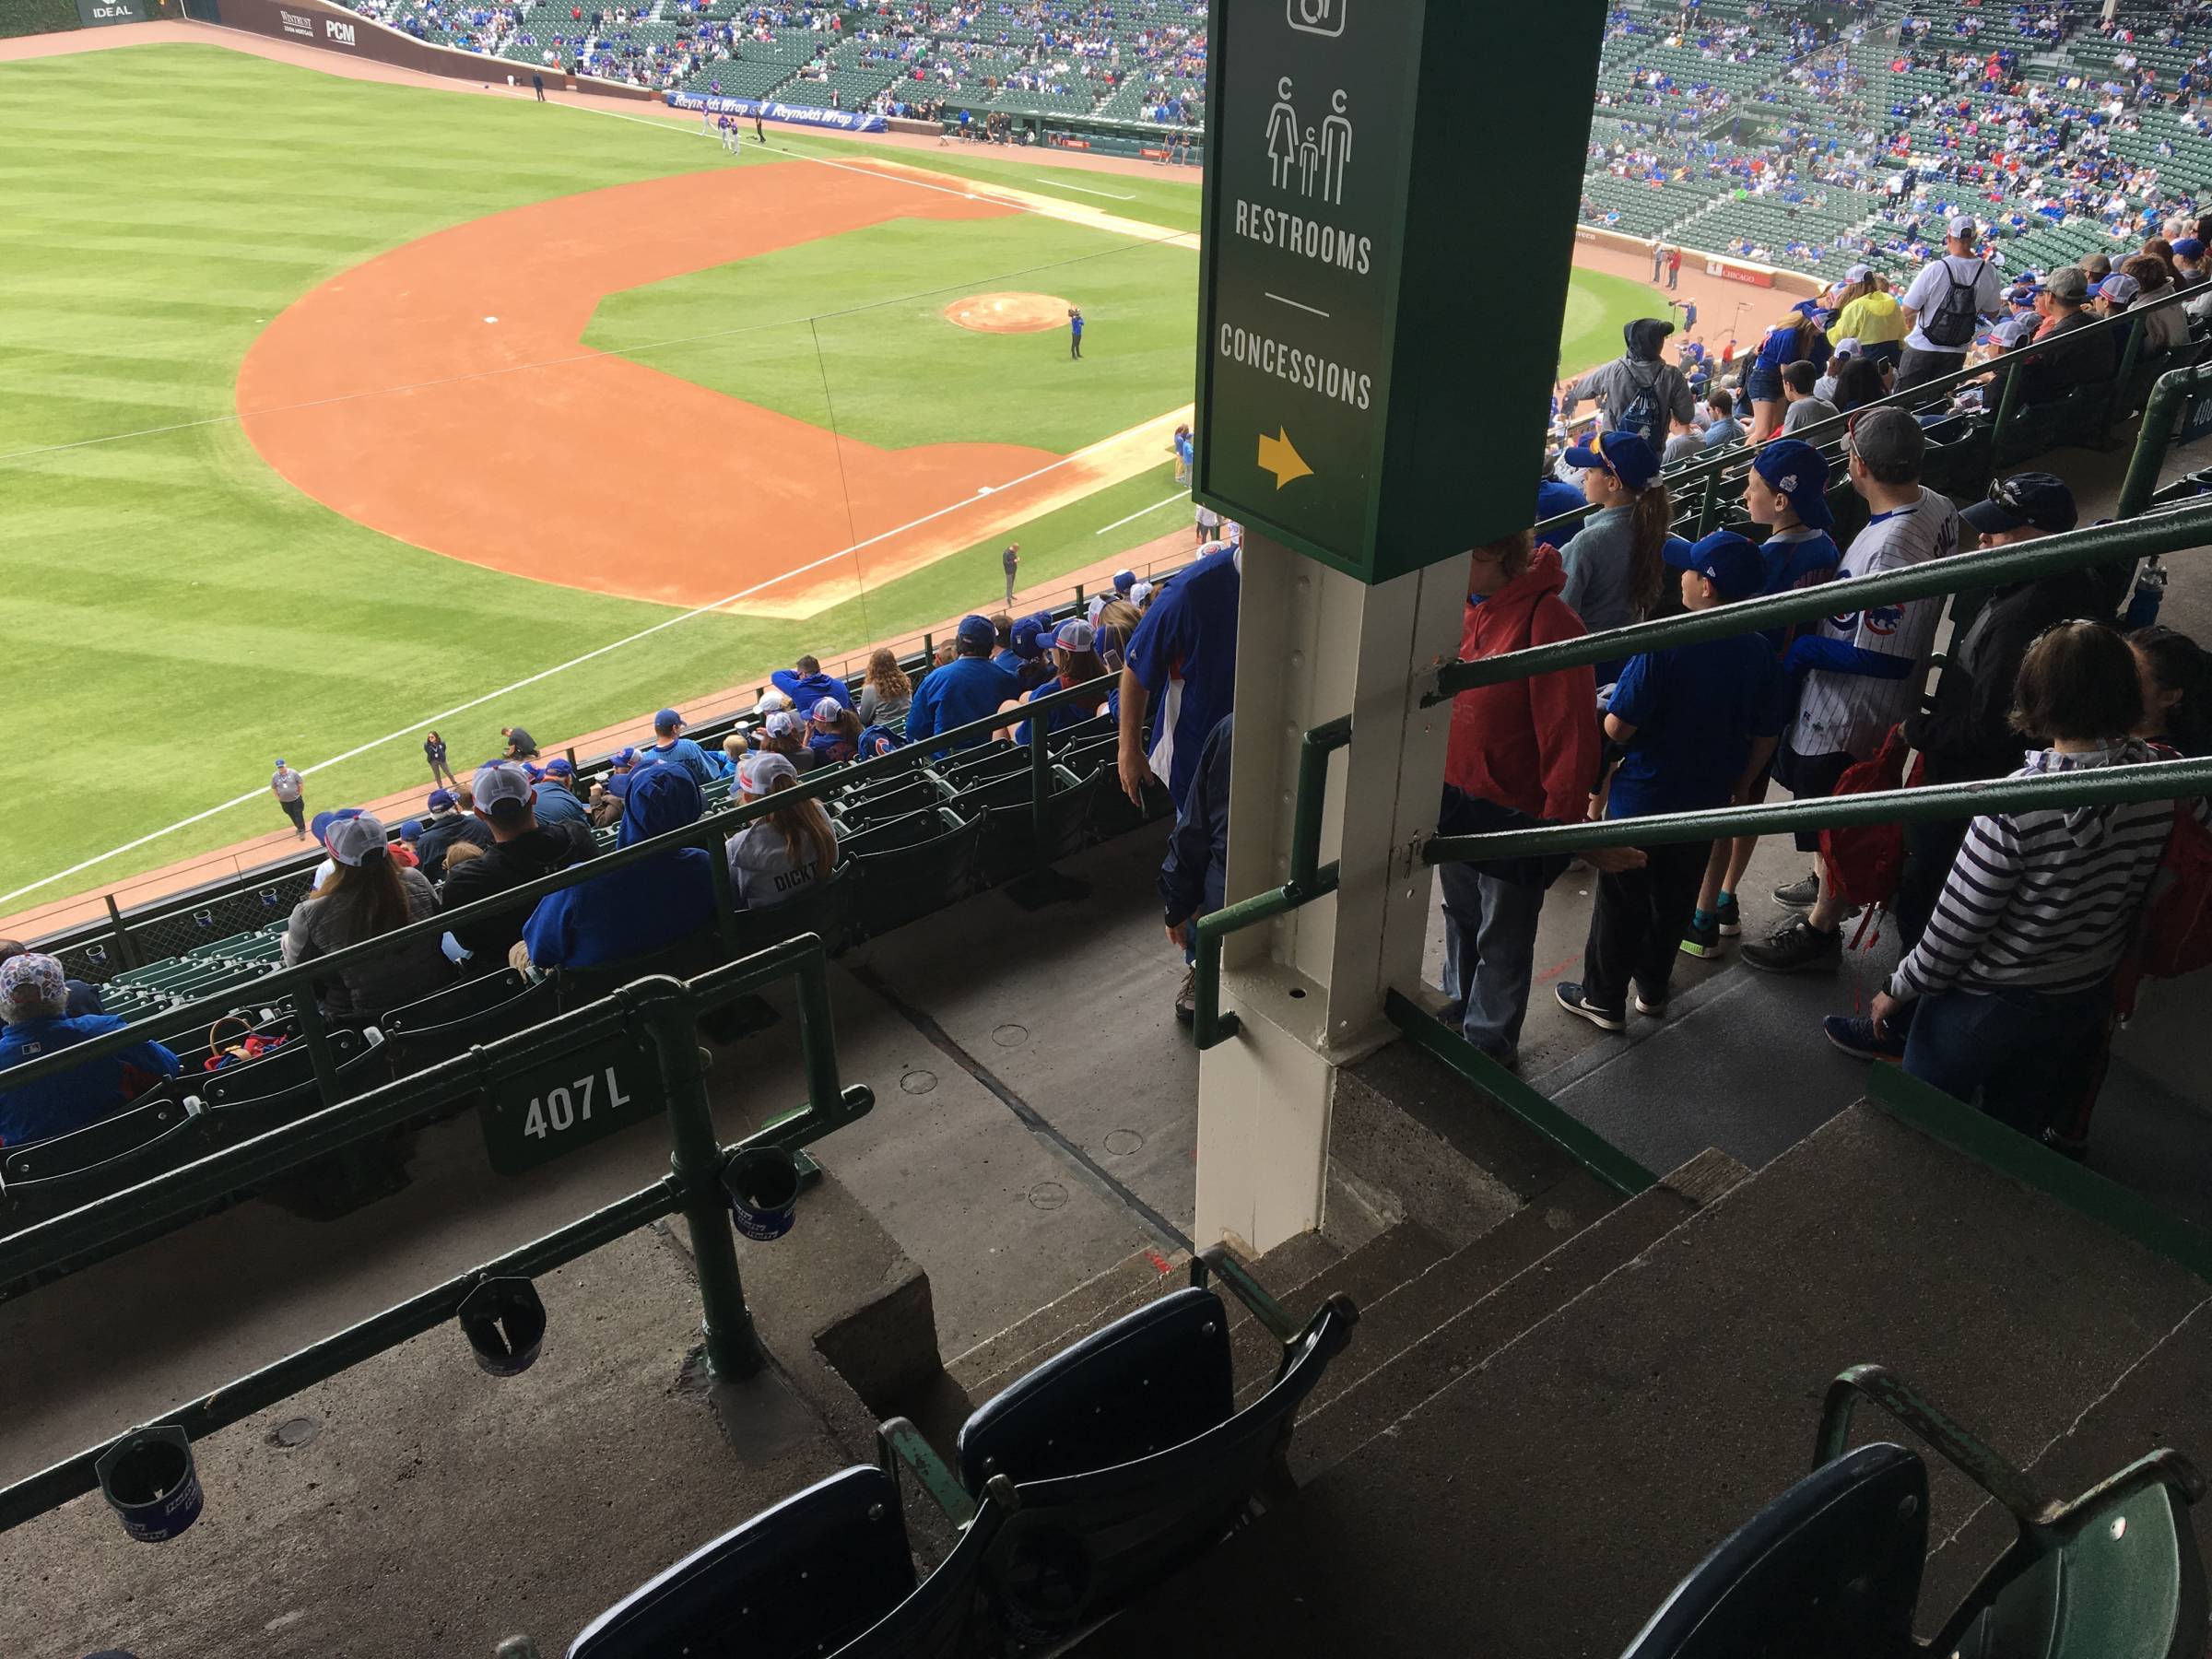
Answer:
x=1701 y=940
x=1187 y=1000
x=1799 y=894
x=1730 y=917
x=1657 y=1008
x=1795 y=947
x=1570 y=997
x=1861 y=1039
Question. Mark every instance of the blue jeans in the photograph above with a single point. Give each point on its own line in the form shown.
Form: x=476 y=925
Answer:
x=1490 y=953
x=2031 y=1058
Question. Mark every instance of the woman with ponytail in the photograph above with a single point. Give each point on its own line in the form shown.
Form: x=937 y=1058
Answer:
x=777 y=857
x=1617 y=563
x=1797 y=339
x=367 y=893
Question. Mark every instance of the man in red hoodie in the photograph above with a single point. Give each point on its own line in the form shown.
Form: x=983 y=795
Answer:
x=1520 y=754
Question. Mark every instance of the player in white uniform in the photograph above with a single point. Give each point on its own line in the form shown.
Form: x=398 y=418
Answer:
x=1861 y=671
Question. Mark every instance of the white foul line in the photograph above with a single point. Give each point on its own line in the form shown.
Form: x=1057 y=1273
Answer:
x=1297 y=305
x=1057 y=184
x=428 y=720
x=1179 y=496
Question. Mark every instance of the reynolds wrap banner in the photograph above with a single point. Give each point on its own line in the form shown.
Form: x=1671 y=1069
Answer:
x=845 y=120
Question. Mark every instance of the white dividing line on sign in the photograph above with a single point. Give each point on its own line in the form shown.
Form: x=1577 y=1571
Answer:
x=1062 y=185
x=1297 y=305
x=1179 y=496
x=428 y=720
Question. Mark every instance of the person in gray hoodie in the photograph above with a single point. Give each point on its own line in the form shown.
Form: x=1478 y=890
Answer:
x=1639 y=391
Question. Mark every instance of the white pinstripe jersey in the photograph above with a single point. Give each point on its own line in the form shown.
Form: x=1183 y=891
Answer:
x=1853 y=712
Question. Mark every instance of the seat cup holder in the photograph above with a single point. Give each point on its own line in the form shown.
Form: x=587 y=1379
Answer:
x=151 y=1482
x=762 y=1183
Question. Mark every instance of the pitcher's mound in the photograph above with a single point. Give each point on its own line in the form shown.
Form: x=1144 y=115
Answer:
x=1008 y=313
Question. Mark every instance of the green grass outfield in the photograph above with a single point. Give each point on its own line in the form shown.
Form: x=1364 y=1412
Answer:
x=176 y=614
x=878 y=332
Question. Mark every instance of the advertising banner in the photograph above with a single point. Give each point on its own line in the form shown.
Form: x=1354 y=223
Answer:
x=98 y=14
x=843 y=121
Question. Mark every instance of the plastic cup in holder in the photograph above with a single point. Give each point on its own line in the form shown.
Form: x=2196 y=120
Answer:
x=505 y=1324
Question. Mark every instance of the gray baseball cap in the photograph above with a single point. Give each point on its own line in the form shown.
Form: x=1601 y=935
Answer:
x=1888 y=439
x=2068 y=283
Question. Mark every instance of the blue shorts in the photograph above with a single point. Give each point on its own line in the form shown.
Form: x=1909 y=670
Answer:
x=1763 y=385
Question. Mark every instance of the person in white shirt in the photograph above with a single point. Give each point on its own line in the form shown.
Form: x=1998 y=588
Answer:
x=1945 y=302
x=290 y=790
x=1862 y=671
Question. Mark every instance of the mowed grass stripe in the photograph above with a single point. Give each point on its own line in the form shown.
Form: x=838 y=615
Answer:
x=175 y=595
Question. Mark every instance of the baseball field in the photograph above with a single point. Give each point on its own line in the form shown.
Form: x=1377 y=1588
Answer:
x=337 y=408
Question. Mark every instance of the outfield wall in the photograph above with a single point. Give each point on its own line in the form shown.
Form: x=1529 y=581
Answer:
x=1726 y=267
x=347 y=33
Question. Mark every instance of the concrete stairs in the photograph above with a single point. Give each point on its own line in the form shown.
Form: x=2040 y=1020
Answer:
x=1534 y=1436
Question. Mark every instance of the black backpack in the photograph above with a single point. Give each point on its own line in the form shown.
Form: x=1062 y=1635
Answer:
x=1642 y=415
x=1952 y=323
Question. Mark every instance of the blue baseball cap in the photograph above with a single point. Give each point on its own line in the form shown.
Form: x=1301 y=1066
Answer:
x=977 y=632
x=1624 y=454
x=318 y=826
x=559 y=768
x=1026 y=632
x=1124 y=581
x=1796 y=472
x=410 y=829
x=439 y=800
x=2032 y=498
x=1730 y=562
x=667 y=720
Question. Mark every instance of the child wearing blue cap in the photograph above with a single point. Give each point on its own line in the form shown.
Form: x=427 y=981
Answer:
x=1787 y=491
x=1616 y=563
x=1696 y=722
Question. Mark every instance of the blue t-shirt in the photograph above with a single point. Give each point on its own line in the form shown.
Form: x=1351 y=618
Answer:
x=1696 y=709
x=1185 y=654
x=964 y=689
x=1075 y=322
x=80 y=1095
x=1796 y=559
x=558 y=806
x=1074 y=714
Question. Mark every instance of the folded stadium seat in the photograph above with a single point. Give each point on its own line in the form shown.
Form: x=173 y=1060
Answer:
x=1009 y=848
x=2031 y=430
x=1832 y=1568
x=450 y=1021
x=156 y=1134
x=1129 y=1458
x=866 y=805
x=2085 y=416
x=825 y=1574
x=903 y=868
x=1081 y=736
x=283 y=1071
x=1957 y=461
x=968 y=768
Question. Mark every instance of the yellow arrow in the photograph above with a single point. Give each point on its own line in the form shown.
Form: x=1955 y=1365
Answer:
x=1280 y=456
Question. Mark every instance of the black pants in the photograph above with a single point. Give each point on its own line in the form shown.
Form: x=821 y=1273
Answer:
x=1930 y=851
x=296 y=811
x=541 y=95
x=1917 y=365
x=1636 y=925
x=1075 y=345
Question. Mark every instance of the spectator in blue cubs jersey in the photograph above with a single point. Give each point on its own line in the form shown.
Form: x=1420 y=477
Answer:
x=965 y=690
x=1181 y=658
x=670 y=748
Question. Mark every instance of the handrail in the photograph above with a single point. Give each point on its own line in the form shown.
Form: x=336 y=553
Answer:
x=2172 y=531
x=1706 y=468
x=710 y=831
x=2161 y=413
x=2152 y=780
x=666 y=1009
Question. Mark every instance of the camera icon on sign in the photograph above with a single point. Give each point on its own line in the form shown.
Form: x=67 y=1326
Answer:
x=1317 y=16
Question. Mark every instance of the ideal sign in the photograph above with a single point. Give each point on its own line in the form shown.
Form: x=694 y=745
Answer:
x=96 y=14
x=1384 y=283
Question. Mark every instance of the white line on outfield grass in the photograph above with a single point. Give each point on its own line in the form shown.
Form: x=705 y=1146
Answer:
x=428 y=720
x=1057 y=184
x=1179 y=496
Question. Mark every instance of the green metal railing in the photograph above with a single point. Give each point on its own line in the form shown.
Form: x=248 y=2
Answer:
x=2169 y=400
x=709 y=833
x=663 y=1010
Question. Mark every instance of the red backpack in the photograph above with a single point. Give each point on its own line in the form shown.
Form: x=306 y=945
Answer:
x=1864 y=861
x=2177 y=911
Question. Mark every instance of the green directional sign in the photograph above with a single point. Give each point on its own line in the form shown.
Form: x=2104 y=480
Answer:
x=559 y=1106
x=1391 y=194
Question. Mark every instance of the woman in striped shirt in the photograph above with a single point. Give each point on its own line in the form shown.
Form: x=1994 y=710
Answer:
x=2014 y=975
